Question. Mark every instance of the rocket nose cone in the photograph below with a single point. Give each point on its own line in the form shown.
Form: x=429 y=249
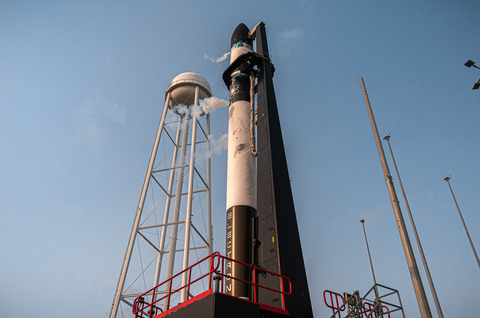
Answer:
x=240 y=34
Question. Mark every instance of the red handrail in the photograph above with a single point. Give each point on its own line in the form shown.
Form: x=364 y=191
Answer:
x=338 y=304
x=371 y=307
x=139 y=305
x=254 y=283
x=136 y=309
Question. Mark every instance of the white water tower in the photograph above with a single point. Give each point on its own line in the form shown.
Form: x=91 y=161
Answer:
x=172 y=228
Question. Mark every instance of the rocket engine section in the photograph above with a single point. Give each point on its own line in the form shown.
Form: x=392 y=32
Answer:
x=241 y=171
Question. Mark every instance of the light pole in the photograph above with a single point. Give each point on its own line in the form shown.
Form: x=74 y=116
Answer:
x=469 y=64
x=377 y=297
x=424 y=260
x=402 y=230
x=461 y=217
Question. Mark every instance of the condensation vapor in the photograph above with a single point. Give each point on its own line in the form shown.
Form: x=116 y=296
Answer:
x=214 y=147
x=205 y=106
x=218 y=59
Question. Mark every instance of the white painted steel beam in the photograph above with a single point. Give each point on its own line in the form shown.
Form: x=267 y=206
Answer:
x=167 y=208
x=188 y=219
x=131 y=242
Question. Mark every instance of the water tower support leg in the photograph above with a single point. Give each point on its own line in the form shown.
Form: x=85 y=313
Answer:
x=167 y=206
x=188 y=219
x=136 y=222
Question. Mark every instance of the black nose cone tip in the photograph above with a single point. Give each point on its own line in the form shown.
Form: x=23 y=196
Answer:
x=240 y=34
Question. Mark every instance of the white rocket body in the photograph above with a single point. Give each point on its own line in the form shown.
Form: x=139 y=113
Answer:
x=241 y=172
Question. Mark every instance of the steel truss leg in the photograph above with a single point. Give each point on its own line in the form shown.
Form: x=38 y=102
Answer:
x=136 y=222
x=188 y=218
x=167 y=206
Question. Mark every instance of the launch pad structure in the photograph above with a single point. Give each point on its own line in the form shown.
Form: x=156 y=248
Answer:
x=262 y=273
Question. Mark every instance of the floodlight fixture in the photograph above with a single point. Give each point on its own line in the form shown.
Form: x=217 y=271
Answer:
x=469 y=63
x=477 y=84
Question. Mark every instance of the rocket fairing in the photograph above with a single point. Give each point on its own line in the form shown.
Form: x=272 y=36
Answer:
x=241 y=171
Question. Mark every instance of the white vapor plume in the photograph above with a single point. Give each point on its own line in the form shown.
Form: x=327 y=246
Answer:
x=171 y=120
x=209 y=104
x=217 y=145
x=205 y=106
x=218 y=59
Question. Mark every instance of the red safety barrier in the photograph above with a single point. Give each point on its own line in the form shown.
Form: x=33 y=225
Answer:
x=371 y=307
x=338 y=302
x=140 y=305
x=258 y=270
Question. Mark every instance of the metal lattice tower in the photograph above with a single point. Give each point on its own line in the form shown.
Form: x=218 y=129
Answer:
x=172 y=226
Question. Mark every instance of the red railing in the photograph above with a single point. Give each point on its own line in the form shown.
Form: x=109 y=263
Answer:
x=339 y=301
x=140 y=305
x=369 y=307
x=257 y=270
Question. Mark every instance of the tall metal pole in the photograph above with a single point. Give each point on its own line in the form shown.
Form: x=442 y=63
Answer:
x=407 y=247
x=424 y=260
x=377 y=297
x=466 y=231
x=131 y=242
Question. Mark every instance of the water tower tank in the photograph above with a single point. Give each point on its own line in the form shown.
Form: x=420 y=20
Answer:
x=182 y=89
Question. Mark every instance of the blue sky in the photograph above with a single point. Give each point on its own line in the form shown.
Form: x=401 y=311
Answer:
x=81 y=92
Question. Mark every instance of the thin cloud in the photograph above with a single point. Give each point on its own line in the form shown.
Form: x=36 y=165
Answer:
x=94 y=116
x=116 y=114
x=289 y=40
x=291 y=35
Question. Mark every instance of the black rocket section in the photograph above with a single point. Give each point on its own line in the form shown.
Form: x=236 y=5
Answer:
x=238 y=247
x=280 y=248
x=240 y=34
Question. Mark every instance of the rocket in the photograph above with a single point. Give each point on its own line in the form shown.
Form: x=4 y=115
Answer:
x=262 y=227
x=241 y=171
